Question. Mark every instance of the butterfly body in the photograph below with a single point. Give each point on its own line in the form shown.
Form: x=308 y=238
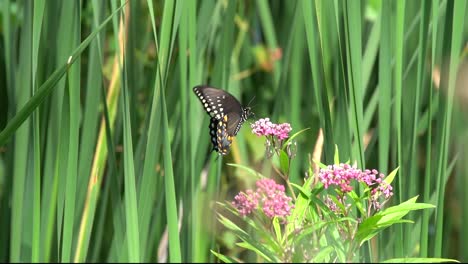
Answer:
x=227 y=115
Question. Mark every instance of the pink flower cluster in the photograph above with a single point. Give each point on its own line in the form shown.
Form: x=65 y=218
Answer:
x=246 y=202
x=342 y=174
x=264 y=127
x=370 y=178
x=269 y=195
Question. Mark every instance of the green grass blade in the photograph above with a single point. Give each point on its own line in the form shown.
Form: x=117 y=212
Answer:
x=71 y=32
x=168 y=25
x=171 y=203
x=400 y=11
x=38 y=18
x=427 y=184
x=21 y=143
x=353 y=22
x=385 y=86
x=455 y=27
x=131 y=208
x=320 y=97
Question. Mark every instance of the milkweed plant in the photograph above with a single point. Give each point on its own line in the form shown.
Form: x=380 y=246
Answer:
x=328 y=219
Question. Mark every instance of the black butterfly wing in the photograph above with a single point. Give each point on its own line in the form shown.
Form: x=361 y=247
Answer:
x=218 y=102
x=223 y=138
x=227 y=116
x=234 y=123
x=220 y=137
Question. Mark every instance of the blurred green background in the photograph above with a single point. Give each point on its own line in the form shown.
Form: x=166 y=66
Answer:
x=105 y=150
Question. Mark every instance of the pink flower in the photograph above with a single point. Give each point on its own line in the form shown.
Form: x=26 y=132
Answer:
x=246 y=202
x=270 y=196
x=264 y=127
x=275 y=202
x=342 y=174
x=282 y=131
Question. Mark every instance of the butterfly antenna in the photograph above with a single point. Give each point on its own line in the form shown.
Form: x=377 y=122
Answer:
x=252 y=107
x=251 y=101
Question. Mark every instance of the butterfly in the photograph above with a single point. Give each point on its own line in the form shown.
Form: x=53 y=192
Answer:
x=227 y=115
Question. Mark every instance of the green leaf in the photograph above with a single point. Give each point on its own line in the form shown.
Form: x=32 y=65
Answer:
x=284 y=162
x=357 y=202
x=390 y=216
x=229 y=224
x=302 y=189
x=224 y=258
x=277 y=228
x=255 y=249
x=391 y=176
x=268 y=240
x=321 y=165
x=293 y=136
x=406 y=206
x=337 y=155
